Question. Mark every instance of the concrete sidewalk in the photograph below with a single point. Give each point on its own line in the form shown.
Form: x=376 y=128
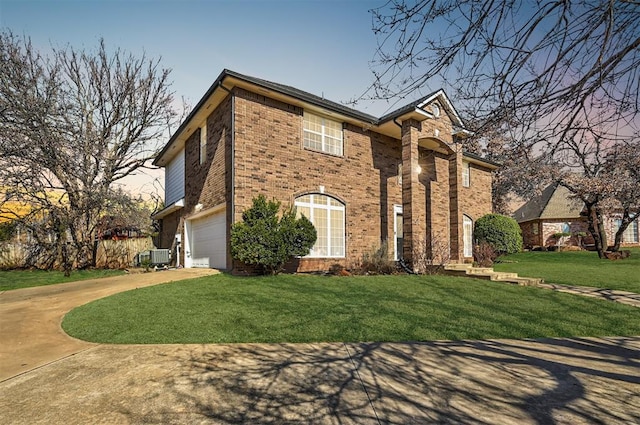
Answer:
x=47 y=377
x=30 y=318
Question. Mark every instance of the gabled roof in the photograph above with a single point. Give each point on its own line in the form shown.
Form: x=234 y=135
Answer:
x=554 y=203
x=229 y=79
x=439 y=95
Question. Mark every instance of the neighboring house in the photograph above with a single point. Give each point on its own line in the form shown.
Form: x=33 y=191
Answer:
x=556 y=211
x=360 y=179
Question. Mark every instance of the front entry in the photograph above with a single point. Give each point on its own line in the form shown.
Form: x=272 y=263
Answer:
x=397 y=232
x=467 y=236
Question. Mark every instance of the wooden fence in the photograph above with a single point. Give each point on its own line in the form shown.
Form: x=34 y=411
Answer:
x=117 y=254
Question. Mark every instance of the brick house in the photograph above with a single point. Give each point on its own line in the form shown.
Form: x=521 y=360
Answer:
x=556 y=211
x=361 y=180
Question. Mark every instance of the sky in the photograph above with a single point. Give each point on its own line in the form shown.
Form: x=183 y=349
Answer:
x=323 y=47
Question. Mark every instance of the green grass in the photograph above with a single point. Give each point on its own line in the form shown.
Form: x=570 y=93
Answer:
x=294 y=308
x=16 y=279
x=581 y=268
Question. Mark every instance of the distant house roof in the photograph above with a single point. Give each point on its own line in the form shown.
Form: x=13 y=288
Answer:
x=554 y=203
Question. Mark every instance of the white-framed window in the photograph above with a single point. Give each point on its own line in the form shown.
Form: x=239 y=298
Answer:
x=466 y=174
x=322 y=134
x=203 y=143
x=467 y=236
x=327 y=216
x=630 y=234
x=400 y=174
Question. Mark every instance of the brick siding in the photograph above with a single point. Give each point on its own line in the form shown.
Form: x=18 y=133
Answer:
x=265 y=155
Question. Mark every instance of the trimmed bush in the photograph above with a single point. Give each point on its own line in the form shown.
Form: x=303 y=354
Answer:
x=263 y=239
x=501 y=232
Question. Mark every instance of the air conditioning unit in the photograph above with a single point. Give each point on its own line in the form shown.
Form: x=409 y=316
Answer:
x=154 y=257
x=159 y=256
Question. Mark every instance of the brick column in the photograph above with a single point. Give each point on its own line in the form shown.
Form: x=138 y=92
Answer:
x=413 y=196
x=455 y=212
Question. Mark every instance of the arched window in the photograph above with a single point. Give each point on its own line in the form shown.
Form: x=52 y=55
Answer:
x=327 y=216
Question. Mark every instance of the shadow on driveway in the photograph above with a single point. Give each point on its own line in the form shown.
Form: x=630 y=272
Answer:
x=552 y=381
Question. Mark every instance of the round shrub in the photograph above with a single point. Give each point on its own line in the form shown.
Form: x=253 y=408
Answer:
x=501 y=232
x=266 y=240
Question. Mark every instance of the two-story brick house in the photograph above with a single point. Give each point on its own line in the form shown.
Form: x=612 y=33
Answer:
x=360 y=179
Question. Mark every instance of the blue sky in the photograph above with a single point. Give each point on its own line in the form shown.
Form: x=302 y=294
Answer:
x=323 y=47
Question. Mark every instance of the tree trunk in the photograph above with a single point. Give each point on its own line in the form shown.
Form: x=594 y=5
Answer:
x=601 y=229
x=593 y=224
x=627 y=219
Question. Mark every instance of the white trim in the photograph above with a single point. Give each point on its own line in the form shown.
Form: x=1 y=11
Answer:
x=208 y=211
x=325 y=138
x=203 y=143
x=312 y=206
x=466 y=174
x=397 y=210
x=467 y=238
x=168 y=210
x=444 y=100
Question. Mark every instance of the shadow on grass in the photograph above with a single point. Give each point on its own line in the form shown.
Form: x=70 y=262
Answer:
x=552 y=381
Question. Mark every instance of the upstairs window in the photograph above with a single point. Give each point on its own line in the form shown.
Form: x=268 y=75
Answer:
x=322 y=134
x=466 y=174
x=203 y=144
x=327 y=216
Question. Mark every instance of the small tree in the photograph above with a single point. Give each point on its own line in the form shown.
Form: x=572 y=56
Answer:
x=265 y=240
x=501 y=232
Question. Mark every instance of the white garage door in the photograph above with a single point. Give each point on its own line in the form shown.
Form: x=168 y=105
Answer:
x=209 y=242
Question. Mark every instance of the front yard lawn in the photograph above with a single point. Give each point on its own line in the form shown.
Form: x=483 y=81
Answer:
x=16 y=279
x=580 y=268
x=295 y=308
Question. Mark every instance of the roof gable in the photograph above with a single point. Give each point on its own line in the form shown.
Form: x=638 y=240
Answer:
x=554 y=203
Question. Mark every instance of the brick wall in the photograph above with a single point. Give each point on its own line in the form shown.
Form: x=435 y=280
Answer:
x=209 y=183
x=270 y=160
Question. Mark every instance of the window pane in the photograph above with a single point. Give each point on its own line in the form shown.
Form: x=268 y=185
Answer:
x=327 y=216
x=337 y=233
x=322 y=134
x=312 y=141
x=321 y=224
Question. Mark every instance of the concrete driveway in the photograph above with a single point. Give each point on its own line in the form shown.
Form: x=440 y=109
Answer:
x=62 y=380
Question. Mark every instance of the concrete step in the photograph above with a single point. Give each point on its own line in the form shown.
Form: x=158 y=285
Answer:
x=487 y=273
x=458 y=266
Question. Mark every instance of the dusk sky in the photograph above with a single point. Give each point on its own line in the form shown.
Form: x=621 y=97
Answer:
x=323 y=47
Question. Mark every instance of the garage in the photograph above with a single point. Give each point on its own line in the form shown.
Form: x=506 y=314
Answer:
x=207 y=241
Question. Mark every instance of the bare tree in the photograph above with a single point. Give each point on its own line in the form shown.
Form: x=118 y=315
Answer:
x=563 y=75
x=72 y=123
